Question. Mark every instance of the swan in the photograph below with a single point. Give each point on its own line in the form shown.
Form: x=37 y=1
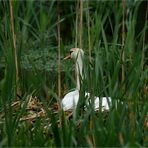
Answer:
x=70 y=100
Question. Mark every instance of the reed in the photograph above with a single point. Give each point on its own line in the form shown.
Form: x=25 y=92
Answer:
x=33 y=43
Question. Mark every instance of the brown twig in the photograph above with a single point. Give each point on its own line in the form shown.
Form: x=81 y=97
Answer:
x=33 y=117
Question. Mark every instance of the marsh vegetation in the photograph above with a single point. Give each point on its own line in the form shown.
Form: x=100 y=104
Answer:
x=34 y=38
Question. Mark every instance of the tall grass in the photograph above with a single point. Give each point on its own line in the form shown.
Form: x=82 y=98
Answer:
x=39 y=45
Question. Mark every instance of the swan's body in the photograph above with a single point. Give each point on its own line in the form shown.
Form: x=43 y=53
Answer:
x=70 y=100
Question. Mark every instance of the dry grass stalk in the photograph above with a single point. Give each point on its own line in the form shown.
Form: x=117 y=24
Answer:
x=88 y=30
x=91 y=139
x=77 y=17
x=88 y=138
x=59 y=54
x=81 y=23
x=121 y=139
x=14 y=43
x=59 y=61
x=33 y=116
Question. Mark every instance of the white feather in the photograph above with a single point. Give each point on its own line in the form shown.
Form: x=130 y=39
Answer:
x=70 y=101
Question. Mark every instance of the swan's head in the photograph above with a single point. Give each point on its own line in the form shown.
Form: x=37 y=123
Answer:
x=75 y=53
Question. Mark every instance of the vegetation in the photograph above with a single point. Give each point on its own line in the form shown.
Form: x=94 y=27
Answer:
x=34 y=38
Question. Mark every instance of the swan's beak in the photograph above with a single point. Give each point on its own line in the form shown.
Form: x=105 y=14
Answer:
x=67 y=57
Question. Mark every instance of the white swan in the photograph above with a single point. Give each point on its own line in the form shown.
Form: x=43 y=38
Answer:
x=70 y=100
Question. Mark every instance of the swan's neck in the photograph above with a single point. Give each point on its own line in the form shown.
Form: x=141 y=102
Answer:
x=79 y=69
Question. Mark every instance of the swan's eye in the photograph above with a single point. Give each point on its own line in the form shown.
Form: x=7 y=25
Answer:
x=70 y=52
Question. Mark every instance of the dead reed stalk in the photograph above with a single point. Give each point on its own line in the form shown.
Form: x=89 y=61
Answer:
x=81 y=23
x=59 y=52
x=143 y=46
x=77 y=18
x=14 y=44
x=88 y=29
